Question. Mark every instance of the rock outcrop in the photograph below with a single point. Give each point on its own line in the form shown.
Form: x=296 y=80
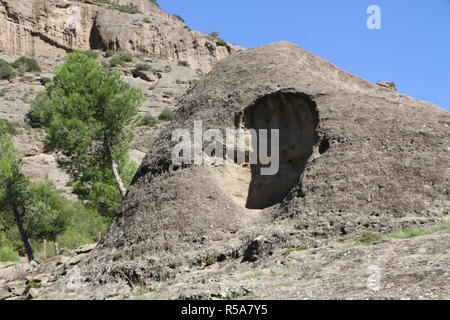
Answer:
x=52 y=28
x=355 y=158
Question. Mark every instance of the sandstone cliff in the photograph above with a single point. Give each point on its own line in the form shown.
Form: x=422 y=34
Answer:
x=53 y=27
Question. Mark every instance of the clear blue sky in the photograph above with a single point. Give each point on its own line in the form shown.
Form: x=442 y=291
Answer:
x=412 y=48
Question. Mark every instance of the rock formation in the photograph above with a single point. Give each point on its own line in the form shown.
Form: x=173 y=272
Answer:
x=53 y=27
x=354 y=158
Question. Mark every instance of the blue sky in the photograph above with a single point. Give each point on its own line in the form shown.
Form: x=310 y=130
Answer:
x=412 y=48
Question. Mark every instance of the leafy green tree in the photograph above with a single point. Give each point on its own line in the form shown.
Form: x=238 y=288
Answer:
x=6 y=71
x=89 y=111
x=46 y=213
x=13 y=188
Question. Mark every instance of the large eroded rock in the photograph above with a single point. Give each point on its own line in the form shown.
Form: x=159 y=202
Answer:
x=354 y=158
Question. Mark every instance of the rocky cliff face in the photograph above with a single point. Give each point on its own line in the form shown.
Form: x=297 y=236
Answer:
x=52 y=28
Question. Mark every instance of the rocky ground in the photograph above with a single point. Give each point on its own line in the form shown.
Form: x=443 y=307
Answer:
x=407 y=269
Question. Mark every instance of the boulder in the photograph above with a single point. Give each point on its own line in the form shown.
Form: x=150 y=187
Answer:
x=353 y=157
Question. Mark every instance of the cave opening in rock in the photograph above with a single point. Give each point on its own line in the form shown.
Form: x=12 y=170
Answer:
x=295 y=115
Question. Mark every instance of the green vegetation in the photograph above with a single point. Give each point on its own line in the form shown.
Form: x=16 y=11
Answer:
x=183 y=63
x=147 y=67
x=13 y=190
x=120 y=60
x=166 y=115
x=90 y=53
x=45 y=80
x=210 y=261
x=393 y=85
x=88 y=112
x=109 y=53
x=221 y=42
x=370 y=238
x=143 y=67
x=148 y=121
x=178 y=17
x=6 y=71
x=33 y=211
x=7 y=250
x=122 y=8
x=300 y=248
x=146 y=20
x=8 y=127
x=25 y=64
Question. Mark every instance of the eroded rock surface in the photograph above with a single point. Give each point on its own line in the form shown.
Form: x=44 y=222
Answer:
x=51 y=28
x=371 y=160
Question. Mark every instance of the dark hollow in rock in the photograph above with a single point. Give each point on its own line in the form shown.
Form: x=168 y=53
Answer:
x=295 y=117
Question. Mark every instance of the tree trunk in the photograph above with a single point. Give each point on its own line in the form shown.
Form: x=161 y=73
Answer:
x=23 y=234
x=119 y=182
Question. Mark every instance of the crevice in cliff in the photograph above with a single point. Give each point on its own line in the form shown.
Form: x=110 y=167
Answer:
x=50 y=41
x=95 y=39
x=9 y=14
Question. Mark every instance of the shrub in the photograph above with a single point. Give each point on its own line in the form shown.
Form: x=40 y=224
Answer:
x=178 y=17
x=7 y=250
x=109 y=53
x=85 y=225
x=369 y=238
x=91 y=54
x=46 y=211
x=6 y=71
x=7 y=127
x=120 y=60
x=221 y=42
x=166 y=115
x=148 y=121
x=146 y=20
x=45 y=80
x=183 y=63
x=126 y=8
x=143 y=67
x=25 y=64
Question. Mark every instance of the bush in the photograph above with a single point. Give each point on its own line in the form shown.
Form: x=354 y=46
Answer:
x=126 y=8
x=7 y=127
x=221 y=42
x=178 y=17
x=166 y=115
x=46 y=212
x=25 y=64
x=120 y=60
x=6 y=71
x=84 y=227
x=143 y=67
x=7 y=250
x=109 y=53
x=148 y=121
x=146 y=20
x=45 y=80
x=183 y=63
x=91 y=54
x=369 y=238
